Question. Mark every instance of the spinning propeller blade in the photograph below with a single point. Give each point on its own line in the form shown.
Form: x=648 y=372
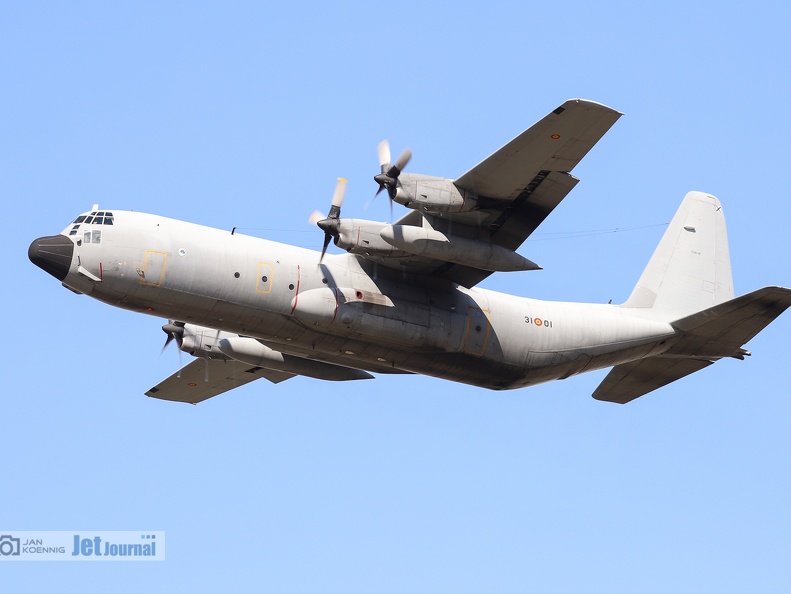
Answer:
x=388 y=178
x=175 y=331
x=330 y=224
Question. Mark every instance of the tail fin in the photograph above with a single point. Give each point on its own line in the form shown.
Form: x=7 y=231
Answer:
x=688 y=284
x=691 y=267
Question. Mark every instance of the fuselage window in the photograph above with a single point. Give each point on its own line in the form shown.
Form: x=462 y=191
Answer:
x=97 y=237
x=86 y=238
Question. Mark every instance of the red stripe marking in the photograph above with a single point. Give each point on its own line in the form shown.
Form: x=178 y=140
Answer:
x=296 y=296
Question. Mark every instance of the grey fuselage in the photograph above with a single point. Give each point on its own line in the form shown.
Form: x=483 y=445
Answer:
x=347 y=310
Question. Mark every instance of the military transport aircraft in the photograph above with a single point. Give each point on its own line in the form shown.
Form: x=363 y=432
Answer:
x=403 y=299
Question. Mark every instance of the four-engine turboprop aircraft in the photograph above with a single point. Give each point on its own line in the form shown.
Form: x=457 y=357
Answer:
x=403 y=297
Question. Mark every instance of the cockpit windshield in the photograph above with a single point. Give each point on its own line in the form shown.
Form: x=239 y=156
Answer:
x=101 y=217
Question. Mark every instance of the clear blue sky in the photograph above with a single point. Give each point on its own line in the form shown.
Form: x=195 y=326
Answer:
x=244 y=114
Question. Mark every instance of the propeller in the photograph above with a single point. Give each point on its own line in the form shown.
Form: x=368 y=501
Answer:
x=175 y=331
x=330 y=224
x=388 y=178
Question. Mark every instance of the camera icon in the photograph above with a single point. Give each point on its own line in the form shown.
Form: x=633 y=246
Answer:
x=9 y=545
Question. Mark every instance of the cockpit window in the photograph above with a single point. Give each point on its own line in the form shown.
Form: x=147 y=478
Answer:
x=95 y=218
x=86 y=237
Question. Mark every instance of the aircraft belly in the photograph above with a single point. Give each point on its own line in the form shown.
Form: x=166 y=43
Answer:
x=499 y=343
x=556 y=340
x=343 y=314
x=401 y=323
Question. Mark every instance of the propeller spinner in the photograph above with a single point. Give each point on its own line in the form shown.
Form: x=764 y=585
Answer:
x=388 y=178
x=330 y=225
x=175 y=331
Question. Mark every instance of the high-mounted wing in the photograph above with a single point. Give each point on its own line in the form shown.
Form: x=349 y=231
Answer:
x=192 y=384
x=554 y=144
x=512 y=192
x=520 y=184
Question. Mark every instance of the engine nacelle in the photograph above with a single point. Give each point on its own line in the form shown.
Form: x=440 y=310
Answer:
x=200 y=341
x=359 y=236
x=250 y=351
x=459 y=250
x=433 y=194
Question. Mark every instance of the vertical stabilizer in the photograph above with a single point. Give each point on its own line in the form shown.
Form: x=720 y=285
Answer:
x=691 y=267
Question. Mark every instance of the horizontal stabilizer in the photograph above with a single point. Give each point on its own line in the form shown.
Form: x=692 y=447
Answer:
x=628 y=381
x=190 y=383
x=720 y=331
x=703 y=338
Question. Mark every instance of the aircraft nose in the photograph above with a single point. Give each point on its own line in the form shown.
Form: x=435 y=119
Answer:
x=52 y=254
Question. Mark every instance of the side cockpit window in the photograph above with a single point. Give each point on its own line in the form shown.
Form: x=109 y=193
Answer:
x=92 y=237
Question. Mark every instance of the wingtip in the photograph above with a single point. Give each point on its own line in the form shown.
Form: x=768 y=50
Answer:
x=591 y=105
